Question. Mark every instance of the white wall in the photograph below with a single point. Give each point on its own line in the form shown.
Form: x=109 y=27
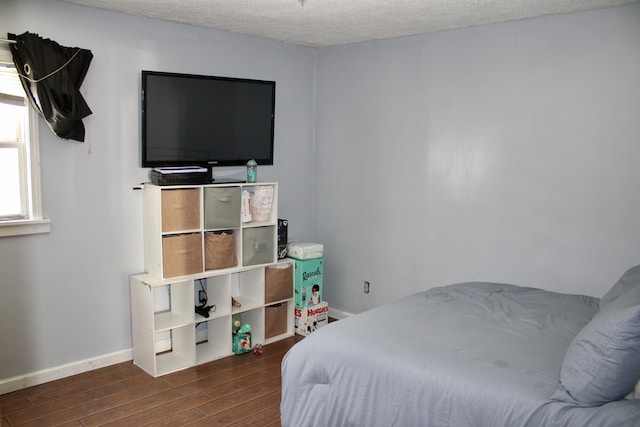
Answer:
x=64 y=295
x=502 y=153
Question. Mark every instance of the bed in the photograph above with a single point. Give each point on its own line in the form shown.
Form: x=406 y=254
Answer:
x=473 y=354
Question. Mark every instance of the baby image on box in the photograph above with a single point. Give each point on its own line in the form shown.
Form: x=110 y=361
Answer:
x=315 y=295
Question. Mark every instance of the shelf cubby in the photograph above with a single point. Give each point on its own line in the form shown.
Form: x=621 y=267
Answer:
x=255 y=318
x=247 y=288
x=218 y=293
x=181 y=353
x=213 y=339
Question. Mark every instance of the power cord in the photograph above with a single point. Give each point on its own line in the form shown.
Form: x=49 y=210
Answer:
x=203 y=309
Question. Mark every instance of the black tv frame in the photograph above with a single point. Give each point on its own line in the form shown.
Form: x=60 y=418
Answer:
x=209 y=163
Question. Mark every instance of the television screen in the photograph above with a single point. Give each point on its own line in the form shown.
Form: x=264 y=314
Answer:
x=206 y=120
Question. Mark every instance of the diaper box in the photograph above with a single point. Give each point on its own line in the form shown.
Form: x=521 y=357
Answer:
x=302 y=250
x=308 y=319
x=308 y=281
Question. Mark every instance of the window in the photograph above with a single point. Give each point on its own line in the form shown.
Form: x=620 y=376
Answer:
x=20 y=199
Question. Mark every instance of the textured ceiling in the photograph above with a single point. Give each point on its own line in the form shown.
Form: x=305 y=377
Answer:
x=321 y=23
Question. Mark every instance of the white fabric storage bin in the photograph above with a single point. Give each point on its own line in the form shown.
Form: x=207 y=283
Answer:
x=222 y=207
x=258 y=245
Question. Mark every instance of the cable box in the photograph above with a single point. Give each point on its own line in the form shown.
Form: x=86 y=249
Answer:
x=179 y=176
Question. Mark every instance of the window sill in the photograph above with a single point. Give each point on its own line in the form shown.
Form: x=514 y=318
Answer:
x=23 y=227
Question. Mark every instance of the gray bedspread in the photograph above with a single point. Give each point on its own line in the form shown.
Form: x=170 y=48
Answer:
x=470 y=354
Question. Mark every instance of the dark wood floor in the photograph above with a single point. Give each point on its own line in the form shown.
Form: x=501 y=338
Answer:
x=235 y=391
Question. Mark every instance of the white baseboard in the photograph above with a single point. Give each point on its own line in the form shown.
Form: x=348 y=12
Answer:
x=40 y=377
x=338 y=314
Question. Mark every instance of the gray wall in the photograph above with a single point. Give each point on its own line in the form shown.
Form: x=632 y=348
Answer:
x=503 y=153
x=64 y=295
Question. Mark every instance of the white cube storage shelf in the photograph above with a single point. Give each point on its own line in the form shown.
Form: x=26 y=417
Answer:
x=167 y=333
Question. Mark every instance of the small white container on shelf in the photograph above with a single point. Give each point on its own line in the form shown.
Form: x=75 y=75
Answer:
x=261 y=202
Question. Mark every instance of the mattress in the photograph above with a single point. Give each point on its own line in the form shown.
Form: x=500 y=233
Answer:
x=470 y=354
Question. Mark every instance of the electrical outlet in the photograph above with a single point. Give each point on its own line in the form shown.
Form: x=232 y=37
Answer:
x=366 y=287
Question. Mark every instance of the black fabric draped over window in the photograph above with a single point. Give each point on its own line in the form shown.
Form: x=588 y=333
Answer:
x=51 y=76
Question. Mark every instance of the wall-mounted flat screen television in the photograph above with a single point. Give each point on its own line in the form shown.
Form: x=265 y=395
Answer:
x=195 y=120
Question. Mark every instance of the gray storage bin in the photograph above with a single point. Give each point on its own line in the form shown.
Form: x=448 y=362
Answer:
x=258 y=245
x=222 y=207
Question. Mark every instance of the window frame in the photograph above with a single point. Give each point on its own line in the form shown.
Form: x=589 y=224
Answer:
x=35 y=223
